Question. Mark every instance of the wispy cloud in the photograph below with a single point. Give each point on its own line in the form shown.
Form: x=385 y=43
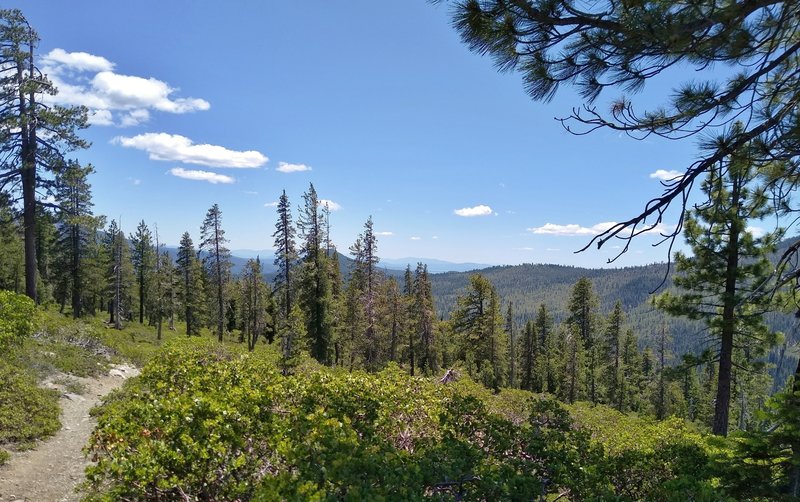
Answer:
x=135 y=181
x=81 y=61
x=112 y=98
x=285 y=167
x=333 y=206
x=384 y=234
x=274 y=203
x=173 y=147
x=416 y=238
x=190 y=174
x=573 y=229
x=756 y=231
x=665 y=175
x=479 y=210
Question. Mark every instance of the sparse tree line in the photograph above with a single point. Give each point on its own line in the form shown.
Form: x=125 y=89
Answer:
x=366 y=319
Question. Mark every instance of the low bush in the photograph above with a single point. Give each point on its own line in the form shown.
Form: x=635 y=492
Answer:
x=17 y=318
x=211 y=423
x=27 y=412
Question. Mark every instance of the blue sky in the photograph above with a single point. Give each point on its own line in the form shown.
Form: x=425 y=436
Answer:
x=378 y=104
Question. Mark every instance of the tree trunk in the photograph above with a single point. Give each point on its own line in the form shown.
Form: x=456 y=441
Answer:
x=722 y=405
x=28 y=178
x=220 y=302
x=76 y=276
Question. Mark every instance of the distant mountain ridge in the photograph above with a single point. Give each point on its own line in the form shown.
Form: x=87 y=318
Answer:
x=434 y=266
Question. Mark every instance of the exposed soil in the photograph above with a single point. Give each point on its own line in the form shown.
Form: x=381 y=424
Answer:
x=54 y=468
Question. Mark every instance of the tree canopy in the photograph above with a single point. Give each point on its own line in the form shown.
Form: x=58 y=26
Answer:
x=623 y=45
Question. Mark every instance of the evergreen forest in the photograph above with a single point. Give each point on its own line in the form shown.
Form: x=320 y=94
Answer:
x=317 y=373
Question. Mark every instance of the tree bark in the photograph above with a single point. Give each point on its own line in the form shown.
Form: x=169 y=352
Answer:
x=722 y=404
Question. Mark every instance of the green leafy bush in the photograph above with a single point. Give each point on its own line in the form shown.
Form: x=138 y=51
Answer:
x=217 y=424
x=27 y=412
x=17 y=317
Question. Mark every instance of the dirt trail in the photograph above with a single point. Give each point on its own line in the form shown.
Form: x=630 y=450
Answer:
x=52 y=470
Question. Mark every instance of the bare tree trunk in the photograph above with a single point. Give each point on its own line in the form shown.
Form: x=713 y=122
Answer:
x=723 y=401
x=28 y=175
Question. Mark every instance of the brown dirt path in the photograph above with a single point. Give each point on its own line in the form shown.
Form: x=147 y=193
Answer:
x=52 y=470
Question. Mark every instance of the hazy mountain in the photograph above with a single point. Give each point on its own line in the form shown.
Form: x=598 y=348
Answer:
x=434 y=266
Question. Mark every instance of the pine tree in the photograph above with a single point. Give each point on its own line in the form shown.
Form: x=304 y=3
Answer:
x=95 y=261
x=76 y=225
x=315 y=291
x=662 y=354
x=144 y=258
x=583 y=322
x=36 y=135
x=392 y=315
x=292 y=333
x=545 y=374
x=424 y=320
x=256 y=319
x=285 y=255
x=528 y=359
x=191 y=291
x=574 y=367
x=164 y=290
x=120 y=274
x=408 y=297
x=512 y=375
x=629 y=388
x=623 y=45
x=366 y=278
x=720 y=282
x=478 y=324
x=613 y=355
x=217 y=264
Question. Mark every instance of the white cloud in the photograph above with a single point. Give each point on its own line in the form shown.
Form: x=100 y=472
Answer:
x=173 y=147
x=552 y=249
x=285 y=167
x=134 y=117
x=384 y=234
x=249 y=192
x=415 y=238
x=573 y=229
x=755 y=231
x=524 y=249
x=190 y=174
x=274 y=203
x=81 y=61
x=570 y=229
x=332 y=206
x=664 y=175
x=135 y=181
x=112 y=98
x=435 y=237
x=101 y=118
x=479 y=210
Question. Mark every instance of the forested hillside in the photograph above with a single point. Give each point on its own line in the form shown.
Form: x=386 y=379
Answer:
x=529 y=285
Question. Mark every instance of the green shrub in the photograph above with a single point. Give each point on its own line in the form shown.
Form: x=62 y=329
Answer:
x=17 y=317
x=213 y=423
x=27 y=412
